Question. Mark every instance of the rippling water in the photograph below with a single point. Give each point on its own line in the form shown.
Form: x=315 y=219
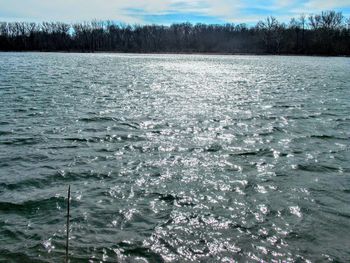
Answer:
x=174 y=157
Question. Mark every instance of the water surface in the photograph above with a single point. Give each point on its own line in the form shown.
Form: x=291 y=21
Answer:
x=174 y=157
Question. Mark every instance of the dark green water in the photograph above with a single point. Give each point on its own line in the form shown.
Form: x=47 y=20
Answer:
x=174 y=158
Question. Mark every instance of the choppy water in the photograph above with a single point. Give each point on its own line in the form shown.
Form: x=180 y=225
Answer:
x=174 y=157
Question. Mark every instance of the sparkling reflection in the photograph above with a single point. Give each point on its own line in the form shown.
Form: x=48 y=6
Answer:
x=175 y=157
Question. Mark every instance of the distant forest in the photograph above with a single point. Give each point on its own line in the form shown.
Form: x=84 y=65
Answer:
x=327 y=33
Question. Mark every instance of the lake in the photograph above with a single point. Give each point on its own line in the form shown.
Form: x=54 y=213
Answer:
x=174 y=157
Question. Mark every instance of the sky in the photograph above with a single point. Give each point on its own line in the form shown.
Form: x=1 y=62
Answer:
x=164 y=11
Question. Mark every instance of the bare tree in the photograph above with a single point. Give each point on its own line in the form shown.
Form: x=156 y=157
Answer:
x=271 y=33
x=325 y=33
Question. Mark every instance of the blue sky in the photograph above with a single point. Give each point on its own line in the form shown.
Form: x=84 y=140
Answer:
x=164 y=11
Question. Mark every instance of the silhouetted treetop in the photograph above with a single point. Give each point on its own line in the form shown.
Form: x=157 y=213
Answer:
x=327 y=33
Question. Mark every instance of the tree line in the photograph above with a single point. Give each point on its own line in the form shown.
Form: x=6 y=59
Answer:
x=327 y=33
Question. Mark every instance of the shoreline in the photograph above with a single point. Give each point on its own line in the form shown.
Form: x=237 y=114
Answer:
x=175 y=53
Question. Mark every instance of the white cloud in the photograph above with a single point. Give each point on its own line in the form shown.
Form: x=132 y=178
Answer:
x=78 y=10
x=132 y=11
x=319 y=5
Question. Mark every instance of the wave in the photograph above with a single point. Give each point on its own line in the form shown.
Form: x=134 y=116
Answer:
x=30 y=206
x=327 y=137
x=106 y=138
x=3 y=133
x=317 y=168
x=22 y=141
x=98 y=119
